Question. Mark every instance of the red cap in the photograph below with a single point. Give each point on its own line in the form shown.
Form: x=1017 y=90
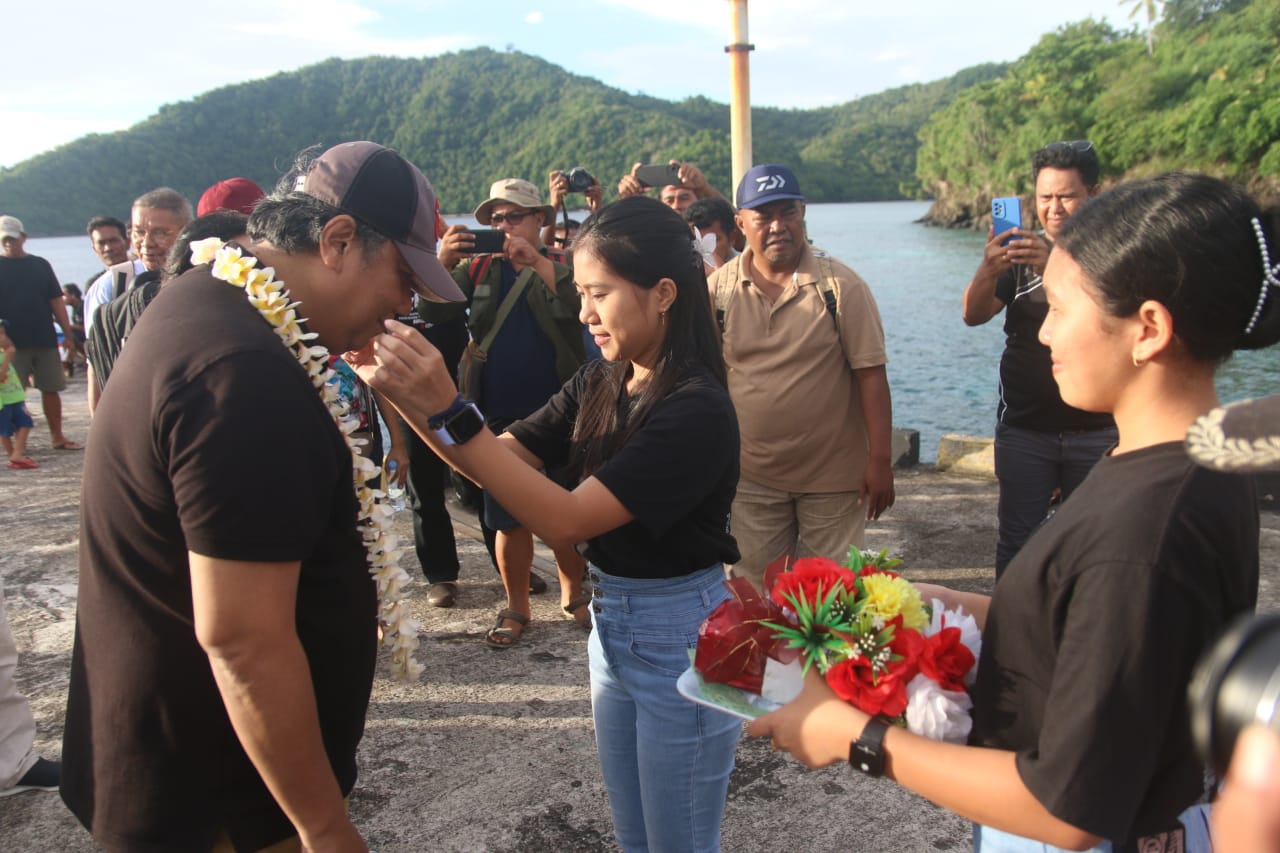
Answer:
x=238 y=194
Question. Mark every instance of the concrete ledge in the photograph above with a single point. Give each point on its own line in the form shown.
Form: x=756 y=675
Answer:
x=970 y=455
x=905 y=448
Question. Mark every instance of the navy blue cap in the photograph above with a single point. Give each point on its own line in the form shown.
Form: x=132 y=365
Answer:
x=765 y=183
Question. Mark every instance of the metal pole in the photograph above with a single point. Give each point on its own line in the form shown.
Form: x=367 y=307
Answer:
x=739 y=92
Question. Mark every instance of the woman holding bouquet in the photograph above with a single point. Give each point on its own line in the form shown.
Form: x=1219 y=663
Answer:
x=1081 y=737
x=652 y=439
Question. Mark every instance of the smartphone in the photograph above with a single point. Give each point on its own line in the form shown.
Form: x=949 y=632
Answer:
x=1006 y=213
x=489 y=241
x=658 y=175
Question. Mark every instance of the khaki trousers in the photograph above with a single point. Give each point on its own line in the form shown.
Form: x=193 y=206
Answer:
x=768 y=523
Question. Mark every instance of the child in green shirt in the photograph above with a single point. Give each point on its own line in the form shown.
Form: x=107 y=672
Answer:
x=15 y=420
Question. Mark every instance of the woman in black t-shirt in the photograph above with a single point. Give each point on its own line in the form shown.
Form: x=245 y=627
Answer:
x=651 y=439
x=1081 y=737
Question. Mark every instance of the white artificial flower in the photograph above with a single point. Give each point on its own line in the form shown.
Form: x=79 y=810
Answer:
x=936 y=713
x=706 y=246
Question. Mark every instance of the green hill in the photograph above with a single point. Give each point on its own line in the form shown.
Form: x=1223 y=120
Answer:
x=467 y=119
x=1207 y=99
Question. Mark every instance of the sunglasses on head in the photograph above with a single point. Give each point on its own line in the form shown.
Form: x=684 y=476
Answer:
x=1078 y=145
x=514 y=217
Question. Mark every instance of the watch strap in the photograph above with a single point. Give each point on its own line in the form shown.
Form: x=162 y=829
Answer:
x=867 y=752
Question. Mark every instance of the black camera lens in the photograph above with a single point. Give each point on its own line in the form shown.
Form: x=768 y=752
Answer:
x=1236 y=684
x=580 y=180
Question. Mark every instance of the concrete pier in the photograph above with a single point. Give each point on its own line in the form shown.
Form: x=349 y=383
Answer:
x=493 y=750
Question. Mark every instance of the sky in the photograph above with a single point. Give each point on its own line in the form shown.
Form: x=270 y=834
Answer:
x=78 y=67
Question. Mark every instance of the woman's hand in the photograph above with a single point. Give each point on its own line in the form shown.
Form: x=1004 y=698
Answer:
x=816 y=727
x=404 y=366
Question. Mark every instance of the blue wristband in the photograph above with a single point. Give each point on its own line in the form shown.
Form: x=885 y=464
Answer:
x=437 y=420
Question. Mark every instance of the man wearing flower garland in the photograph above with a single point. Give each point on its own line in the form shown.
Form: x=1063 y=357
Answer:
x=225 y=635
x=805 y=352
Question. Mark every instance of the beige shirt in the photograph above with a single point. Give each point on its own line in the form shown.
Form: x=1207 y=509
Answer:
x=791 y=376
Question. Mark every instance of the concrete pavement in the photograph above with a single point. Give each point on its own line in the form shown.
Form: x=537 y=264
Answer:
x=493 y=750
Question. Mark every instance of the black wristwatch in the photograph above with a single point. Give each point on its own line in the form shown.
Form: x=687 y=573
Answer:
x=458 y=424
x=867 y=752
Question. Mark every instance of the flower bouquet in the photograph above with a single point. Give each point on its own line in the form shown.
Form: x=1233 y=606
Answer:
x=869 y=634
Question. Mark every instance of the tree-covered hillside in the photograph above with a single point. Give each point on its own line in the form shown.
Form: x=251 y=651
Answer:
x=468 y=119
x=1206 y=99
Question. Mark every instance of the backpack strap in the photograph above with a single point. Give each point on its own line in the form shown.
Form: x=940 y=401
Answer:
x=827 y=284
x=726 y=288
x=477 y=269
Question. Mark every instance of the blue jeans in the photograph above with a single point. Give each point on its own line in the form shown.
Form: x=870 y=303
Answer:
x=1195 y=838
x=666 y=761
x=988 y=840
x=1030 y=465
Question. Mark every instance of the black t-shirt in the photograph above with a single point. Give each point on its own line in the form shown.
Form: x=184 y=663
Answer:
x=212 y=440
x=27 y=285
x=677 y=475
x=1095 y=628
x=1029 y=397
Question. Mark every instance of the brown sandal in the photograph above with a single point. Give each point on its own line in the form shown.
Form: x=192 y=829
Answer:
x=499 y=637
x=571 y=610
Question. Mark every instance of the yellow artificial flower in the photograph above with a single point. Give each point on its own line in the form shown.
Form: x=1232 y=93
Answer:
x=888 y=596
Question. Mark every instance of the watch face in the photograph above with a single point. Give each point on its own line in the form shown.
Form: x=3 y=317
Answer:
x=464 y=426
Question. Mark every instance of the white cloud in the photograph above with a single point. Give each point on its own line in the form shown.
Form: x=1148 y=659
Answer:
x=533 y=18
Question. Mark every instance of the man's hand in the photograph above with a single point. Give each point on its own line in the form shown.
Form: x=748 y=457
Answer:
x=595 y=196
x=691 y=176
x=398 y=454
x=630 y=184
x=877 y=488
x=557 y=187
x=1028 y=249
x=520 y=252
x=456 y=242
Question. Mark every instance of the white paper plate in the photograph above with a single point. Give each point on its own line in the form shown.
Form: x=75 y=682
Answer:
x=722 y=697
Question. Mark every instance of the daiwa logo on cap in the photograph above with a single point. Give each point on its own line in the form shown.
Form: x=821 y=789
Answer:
x=767 y=183
x=770 y=182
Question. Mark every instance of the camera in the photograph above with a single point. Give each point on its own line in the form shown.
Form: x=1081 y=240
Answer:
x=580 y=180
x=1236 y=684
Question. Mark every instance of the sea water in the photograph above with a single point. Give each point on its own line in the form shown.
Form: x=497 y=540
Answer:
x=942 y=373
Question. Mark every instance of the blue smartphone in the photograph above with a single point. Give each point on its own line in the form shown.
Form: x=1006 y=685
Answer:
x=1006 y=213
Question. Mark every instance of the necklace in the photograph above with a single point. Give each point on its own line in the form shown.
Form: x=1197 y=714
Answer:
x=270 y=298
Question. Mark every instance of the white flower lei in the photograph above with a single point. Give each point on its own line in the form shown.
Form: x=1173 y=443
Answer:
x=271 y=299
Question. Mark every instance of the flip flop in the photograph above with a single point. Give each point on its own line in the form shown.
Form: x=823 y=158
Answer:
x=499 y=637
x=571 y=610
x=24 y=465
x=68 y=445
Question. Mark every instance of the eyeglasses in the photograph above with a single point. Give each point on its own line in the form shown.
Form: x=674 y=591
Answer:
x=1078 y=145
x=512 y=216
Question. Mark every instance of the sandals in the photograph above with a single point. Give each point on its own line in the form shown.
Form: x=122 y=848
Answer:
x=23 y=464
x=571 y=610
x=499 y=637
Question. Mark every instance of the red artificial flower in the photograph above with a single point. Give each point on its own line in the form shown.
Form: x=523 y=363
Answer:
x=811 y=579
x=856 y=681
x=869 y=569
x=946 y=660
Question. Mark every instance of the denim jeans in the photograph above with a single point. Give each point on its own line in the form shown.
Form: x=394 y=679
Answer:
x=666 y=761
x=1195 y=838
x=988 y=840
x=1030 y=465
